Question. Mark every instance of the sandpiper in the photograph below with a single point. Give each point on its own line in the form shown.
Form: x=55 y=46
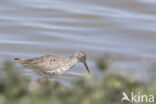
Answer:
x=50 y=65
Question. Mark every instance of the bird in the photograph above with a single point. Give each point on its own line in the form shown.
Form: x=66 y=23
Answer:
x=50 y=65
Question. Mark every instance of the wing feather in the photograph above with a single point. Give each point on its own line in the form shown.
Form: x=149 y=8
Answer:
x=45 y=63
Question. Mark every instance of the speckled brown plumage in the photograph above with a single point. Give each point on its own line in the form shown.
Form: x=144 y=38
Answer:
x=49 y=65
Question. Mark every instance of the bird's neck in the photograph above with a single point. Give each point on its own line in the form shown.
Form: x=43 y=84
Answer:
x=73 y=61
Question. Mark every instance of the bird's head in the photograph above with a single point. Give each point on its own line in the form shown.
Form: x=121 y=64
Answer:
x=81 y=57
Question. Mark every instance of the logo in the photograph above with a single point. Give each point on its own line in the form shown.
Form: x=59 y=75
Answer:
x=139 y=98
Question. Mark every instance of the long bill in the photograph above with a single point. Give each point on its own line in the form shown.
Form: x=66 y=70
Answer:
x=85 y=64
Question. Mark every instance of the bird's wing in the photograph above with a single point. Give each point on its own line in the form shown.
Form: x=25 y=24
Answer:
x=45 y=63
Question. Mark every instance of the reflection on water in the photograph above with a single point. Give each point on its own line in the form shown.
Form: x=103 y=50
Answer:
x=124 y=27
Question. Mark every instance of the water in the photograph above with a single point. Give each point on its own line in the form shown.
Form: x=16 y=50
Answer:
x=127 y=28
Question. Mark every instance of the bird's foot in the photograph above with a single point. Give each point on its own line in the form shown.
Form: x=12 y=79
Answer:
x=43 y=80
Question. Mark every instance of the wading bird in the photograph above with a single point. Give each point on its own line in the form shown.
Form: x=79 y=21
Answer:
x=49 y=65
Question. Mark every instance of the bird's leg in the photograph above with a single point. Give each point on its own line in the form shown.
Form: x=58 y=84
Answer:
x=43 y=79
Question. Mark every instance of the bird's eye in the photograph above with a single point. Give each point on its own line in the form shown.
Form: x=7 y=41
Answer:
x=83 y=57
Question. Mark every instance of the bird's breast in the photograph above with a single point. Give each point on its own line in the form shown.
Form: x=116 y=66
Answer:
x=58 y=71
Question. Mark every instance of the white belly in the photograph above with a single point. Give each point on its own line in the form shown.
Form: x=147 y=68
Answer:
x=56 y=72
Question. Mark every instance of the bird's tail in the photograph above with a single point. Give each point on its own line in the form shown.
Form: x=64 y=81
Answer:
x=19 y=60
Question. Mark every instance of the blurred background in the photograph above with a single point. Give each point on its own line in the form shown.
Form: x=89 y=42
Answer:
x=117 y=35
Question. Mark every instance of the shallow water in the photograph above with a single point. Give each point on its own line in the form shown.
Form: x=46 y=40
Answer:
x=30 y=28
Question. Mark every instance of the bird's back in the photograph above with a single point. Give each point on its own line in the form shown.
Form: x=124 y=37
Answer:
x=45 y=63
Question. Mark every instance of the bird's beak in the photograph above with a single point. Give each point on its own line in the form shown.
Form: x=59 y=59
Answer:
x=85 y=64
